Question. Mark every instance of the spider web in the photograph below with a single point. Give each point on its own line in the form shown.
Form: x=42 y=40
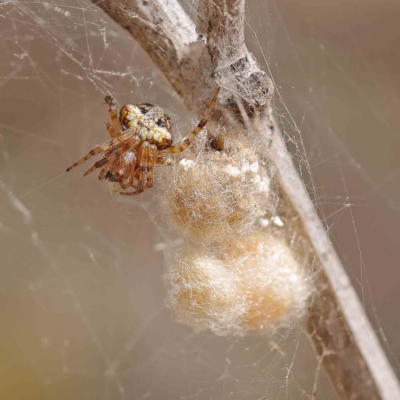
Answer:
x=83 y=300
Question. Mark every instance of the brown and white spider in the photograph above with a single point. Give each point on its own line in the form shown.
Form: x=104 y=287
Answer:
x=139 y=140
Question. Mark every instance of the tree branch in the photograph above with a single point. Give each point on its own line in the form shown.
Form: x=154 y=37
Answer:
x=191 y=59
x=223 y=24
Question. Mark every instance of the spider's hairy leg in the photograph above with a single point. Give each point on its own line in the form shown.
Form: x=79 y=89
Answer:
x=112 y=165
x=113 y=144
x=98 y=164
x=152 y=162
x=115 y=152
x=128 y=184
x=103 y=172
x=112 y=112
x=112 y=155
x=124 y=168
x=93 y=152
x=147 y=158
x=199 y=127
x=160 y=160
x=111 y=131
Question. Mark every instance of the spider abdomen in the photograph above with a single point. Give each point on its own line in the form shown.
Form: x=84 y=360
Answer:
x=151 y=123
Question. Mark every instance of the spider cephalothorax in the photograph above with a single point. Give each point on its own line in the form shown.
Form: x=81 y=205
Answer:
x=140 y=138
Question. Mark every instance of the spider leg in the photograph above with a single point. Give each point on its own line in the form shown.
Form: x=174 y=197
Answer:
x=124 y=167
x=103 y=172
x=186 y=142
x=160 y=160
x=114 y=165
x=152 y=162
x=112 y=144
x=111 y=131
x=99 y=164
x=118 y=151
x=147 y=158
x=129 y=183
x=112 y=112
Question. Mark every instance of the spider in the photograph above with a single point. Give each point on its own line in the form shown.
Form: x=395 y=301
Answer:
x=140 y=138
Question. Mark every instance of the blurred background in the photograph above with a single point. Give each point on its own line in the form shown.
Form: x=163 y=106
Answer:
x=82 y=299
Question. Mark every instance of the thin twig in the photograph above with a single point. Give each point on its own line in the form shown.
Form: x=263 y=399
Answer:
x=191 y=58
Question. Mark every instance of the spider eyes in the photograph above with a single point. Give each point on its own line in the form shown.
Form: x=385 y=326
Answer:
x=161 y=123
x=145 y=108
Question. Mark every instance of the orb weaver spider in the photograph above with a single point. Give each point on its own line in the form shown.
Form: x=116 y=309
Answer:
x=140 y=139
